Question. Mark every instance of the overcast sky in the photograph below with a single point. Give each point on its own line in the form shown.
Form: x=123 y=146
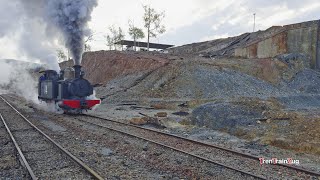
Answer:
x=190 y=21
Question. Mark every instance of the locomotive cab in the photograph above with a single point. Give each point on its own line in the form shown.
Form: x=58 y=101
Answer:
x=47 y=84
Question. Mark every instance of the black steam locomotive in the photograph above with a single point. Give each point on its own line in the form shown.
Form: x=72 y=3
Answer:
x=71 y=95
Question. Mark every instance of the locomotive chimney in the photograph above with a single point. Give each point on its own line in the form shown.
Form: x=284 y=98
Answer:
x=77 y=71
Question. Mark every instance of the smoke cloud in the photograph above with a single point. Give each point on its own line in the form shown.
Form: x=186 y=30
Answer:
x=40 y=27
x=72 y=17
x=26 y=29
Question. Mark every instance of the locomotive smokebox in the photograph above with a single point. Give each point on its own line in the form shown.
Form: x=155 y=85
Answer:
x=77 y=71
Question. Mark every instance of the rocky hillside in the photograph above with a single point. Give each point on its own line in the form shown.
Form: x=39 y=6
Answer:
x=103 y=66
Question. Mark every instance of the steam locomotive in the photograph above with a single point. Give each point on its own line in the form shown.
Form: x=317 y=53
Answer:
x=72 y=95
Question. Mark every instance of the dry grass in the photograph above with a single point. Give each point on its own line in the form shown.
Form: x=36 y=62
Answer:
x=301 y=135
x=163 y=105
x=271 y=104
x=197 y=102
x=186 y=122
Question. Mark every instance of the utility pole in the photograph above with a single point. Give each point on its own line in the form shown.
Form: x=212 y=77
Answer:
x=254 y=21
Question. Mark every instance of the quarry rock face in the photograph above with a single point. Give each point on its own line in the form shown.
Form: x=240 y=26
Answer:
x=103 y=66
x=293 y=38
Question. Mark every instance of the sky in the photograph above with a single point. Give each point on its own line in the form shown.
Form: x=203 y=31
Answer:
x=189 y=21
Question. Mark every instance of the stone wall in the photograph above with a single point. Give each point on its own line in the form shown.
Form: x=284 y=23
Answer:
x=294 y=38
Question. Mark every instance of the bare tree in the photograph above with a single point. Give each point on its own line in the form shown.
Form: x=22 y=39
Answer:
x=120 y=36
x=135 y=33
x=87 y=46
x=152 y=22
x=109 y=41
x=116 y=35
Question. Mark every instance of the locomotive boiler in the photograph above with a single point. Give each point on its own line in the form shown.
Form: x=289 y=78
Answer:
x=72 y=95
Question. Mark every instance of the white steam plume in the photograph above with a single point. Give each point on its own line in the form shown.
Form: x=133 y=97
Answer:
x=16 y=78
x=26 y=29
x=40 y=27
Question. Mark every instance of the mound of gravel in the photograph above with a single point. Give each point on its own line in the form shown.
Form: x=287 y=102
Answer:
x=224 y=116
x=192 y=81
x=211 y=82
x=306 y=81
x=120 y=84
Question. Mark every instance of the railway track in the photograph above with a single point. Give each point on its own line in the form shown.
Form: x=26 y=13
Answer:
x=234 y=160
x=42 y=157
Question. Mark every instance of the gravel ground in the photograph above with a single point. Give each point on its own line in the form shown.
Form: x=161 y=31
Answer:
x=131 y=157
x=46 y=161
x=300 y=102
x=254 y=147
x=249 y=165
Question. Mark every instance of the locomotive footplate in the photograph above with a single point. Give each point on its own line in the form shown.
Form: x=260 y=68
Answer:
x=79 y=104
